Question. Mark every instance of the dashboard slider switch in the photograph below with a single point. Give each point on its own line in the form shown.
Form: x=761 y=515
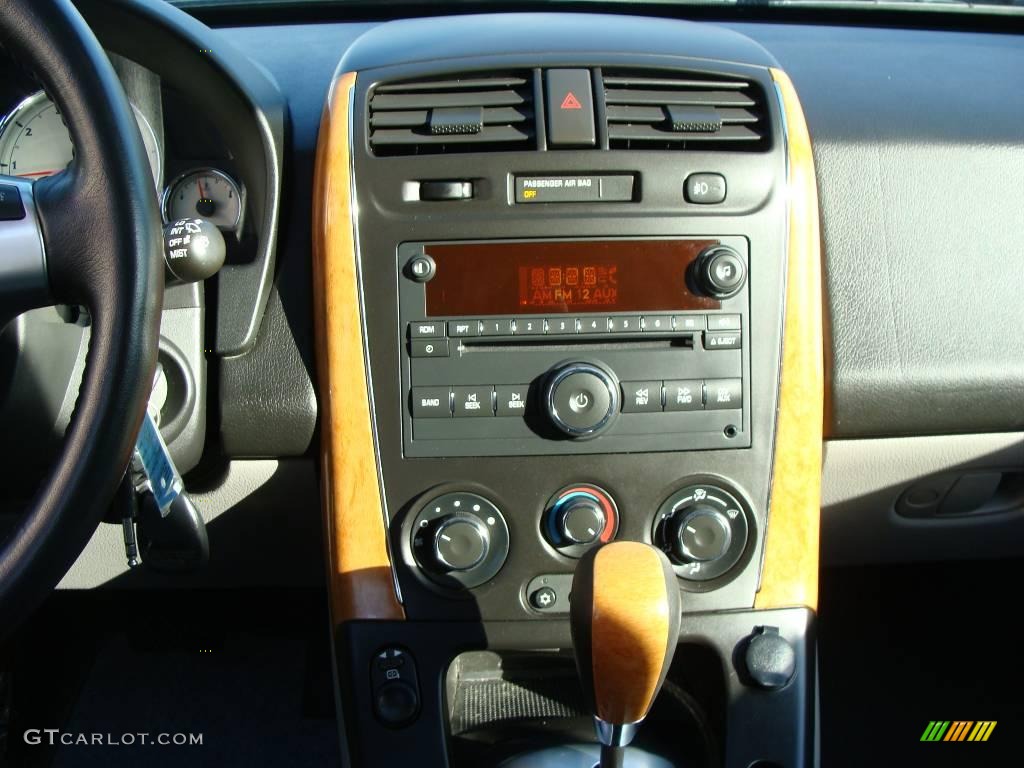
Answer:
x=441 y=191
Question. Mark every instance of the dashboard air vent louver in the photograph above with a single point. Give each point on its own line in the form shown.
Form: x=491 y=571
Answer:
x=684 y=111
x=475 y=113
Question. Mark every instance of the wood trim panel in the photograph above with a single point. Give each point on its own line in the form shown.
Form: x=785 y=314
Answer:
x=790 y=573
x=632 y=628
x=361 y=580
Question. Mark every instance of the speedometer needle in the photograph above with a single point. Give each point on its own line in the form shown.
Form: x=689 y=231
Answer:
x=36 y=173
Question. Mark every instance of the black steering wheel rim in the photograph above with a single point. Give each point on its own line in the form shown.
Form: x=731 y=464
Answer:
x=100 y=228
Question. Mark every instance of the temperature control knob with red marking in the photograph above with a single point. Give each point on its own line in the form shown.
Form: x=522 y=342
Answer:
x=578 y=518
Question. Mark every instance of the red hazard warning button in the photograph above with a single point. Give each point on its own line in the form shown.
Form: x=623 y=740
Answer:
x=570 y=108
x=571 y=102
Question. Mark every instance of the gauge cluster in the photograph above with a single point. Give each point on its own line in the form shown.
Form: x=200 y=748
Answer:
x=35 y=143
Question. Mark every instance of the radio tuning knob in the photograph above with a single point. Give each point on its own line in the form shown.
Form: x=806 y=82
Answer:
x=719 y=272
x=581 y=399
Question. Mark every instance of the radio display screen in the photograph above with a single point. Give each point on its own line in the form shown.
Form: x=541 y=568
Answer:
x=552 y=277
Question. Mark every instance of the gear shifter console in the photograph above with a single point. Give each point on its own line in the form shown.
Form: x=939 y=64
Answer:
x=624 y=616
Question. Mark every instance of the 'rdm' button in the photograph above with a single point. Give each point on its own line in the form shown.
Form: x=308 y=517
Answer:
x=431 y=402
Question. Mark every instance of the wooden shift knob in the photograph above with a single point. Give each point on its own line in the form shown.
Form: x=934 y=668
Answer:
x=624 y=612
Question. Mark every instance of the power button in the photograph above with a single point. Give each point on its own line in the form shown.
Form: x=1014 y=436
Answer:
x=582 y=399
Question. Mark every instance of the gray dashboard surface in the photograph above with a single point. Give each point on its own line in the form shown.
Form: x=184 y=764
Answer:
x=920 y=157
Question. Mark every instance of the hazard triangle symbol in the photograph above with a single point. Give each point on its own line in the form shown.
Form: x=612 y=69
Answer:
x=571 y=102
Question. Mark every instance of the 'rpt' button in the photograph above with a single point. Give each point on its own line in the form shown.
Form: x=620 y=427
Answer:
x=431 y=402
x=473 y=401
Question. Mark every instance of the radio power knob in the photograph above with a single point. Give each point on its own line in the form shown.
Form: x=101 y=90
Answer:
x=581 y=399
x=719 y=272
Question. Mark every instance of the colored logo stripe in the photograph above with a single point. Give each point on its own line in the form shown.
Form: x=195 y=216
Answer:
x=982 y=730
x=958 y=730
x=935 y=730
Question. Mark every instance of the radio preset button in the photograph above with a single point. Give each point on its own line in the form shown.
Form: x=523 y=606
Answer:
x=473 y=401
x=510 y=400
x=688 y=322
x=461 y=328
x=723 y=322
x=496 y=327
x=641 y=396
x=431 y=402
x=593 y=325
x=684 y=395
x=722 y=340
x=426 y=329
x=724 y=394
x=529 y=326
x=657 y=323
x=429 y=347
x=562 y=324
x=624 y=324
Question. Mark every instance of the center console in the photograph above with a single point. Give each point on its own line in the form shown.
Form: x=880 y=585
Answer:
x=566 y=295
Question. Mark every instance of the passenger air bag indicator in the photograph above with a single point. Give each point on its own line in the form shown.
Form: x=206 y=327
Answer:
x=608 y=188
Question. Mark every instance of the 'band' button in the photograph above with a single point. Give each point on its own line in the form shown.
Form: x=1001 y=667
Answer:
x=431 y=402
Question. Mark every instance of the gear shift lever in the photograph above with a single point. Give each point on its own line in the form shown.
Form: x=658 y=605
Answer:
x=624 y=613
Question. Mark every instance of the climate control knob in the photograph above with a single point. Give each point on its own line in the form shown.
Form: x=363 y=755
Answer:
x=719 y=272
x=700 y=535
x=704 y=530
x=458 y=538
x=582 y=399
x=579 y=517
x=460 y=542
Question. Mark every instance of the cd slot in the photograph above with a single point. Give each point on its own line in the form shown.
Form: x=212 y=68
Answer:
x=577 y=343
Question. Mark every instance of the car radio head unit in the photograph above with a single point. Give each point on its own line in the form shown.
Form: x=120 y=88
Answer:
x=581 y=346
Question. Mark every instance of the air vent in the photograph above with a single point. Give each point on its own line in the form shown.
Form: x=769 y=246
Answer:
x=458 y=114
x=684 y=112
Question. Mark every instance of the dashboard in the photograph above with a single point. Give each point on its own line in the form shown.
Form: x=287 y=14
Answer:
x=513 y=286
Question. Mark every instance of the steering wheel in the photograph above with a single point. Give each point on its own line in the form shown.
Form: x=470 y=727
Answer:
x=88 y=236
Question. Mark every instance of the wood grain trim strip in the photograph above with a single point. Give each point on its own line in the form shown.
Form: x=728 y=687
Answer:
x=361 y=580
x=790 y=573
x=631 y=628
